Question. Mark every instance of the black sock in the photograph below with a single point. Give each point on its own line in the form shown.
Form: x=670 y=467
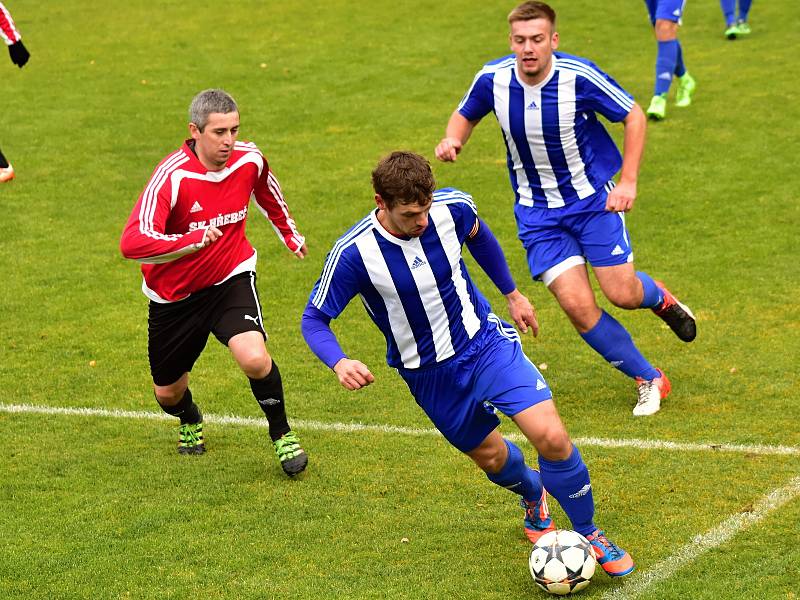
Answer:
x=185 y=409
x=269 y=395
x=3 y=161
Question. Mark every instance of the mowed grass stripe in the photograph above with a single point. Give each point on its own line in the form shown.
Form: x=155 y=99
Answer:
x=760 y=449
x=707 y=541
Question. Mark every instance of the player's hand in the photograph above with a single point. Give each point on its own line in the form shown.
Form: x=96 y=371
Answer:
x=448 y=149
x=19 y=53
x=301 y=252
x=523 y=313
x=353 y=374
x=621 y=198
x=211 y=235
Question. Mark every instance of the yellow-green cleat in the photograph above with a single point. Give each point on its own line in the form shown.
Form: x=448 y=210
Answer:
x=743 y=28
x=686 y=87
x=190 y=438
x=293 y=458
x=658 y=108
x=732 y=32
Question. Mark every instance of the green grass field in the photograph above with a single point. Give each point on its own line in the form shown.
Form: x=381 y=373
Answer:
x=99 y=505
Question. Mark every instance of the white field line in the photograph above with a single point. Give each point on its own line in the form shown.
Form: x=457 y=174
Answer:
x=706 y=541
x=351 y=427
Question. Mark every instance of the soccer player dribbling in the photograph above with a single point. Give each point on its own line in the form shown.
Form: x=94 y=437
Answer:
x=567 y=207
x=188 y=231
x=459 y=360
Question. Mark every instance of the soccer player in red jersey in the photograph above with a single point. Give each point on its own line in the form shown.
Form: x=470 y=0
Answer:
x=188 y=231
x=19 y=56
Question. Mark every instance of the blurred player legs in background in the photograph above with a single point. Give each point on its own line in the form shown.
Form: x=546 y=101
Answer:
x=665 y=16
x=736 y=26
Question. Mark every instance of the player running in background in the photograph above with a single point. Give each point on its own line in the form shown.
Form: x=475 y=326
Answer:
x=188 y=230
x=460 y=361
x=665 y=15
x=561 y=162
x=735 y=26
x=19 y=56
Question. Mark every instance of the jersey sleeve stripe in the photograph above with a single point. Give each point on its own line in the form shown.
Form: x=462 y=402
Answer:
x=333 y=258
x=486 y=69
x=599 y=81
x=451 y=196
x=7 y=28
x=150 y=197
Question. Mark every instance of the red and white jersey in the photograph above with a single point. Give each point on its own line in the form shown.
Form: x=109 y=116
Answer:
x=8 y=30
x=181 y=201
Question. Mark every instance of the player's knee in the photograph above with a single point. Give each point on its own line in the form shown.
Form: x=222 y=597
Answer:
x=625 y=297
x=666 y=30
x=582 y=313
x=169 y=395
x=554 y=444
x=490 y=459
x=255 y=364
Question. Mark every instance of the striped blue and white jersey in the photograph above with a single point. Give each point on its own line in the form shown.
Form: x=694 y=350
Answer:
x=557 y=150
x=417 y=291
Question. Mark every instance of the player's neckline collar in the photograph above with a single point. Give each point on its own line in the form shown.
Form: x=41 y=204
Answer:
x=543 y=82
x=388 y=236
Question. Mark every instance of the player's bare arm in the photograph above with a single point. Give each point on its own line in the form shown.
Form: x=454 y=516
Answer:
x=456 y=135
x=522 y=312
x=622 y=197
x=353 y=374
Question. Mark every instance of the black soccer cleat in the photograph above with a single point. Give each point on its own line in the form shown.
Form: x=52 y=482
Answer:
x=678 y=316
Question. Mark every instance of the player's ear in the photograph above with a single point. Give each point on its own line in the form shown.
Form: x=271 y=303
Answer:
x=194 y=131
x=379 y=202
x=555 y=40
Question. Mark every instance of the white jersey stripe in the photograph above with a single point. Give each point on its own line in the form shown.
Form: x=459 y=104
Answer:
x=569 y=145
x=378 y=272
x=431 y=299
x=534 y=132
x=486 y=69
x=446 y=229
x=502 y=81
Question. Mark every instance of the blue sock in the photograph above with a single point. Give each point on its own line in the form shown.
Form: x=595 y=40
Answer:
x=680 y=68
x=518 y=477
x=568 y=482
x=728 y=9
x=744 y=9
x=613 y=342
x=653 y=296
x=665 y=65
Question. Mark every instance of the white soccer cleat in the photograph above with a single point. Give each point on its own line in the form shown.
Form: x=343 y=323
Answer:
x=7 y=174
x=651 y=392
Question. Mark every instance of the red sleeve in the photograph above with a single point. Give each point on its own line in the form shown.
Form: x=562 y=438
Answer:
x=8 y=30
x=143 y=238
x=270 y=202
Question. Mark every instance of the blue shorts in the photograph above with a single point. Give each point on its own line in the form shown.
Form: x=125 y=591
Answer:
x=580 y=229
x=460 y=395
x=669 y=10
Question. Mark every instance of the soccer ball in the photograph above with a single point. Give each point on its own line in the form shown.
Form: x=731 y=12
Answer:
x=562 y=562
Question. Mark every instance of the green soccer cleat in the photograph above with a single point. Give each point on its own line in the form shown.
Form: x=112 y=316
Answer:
x=686 y=86
x=743 y=28
x=190 y=439
x=658 y=108
x=732 y=31
x=293 y=458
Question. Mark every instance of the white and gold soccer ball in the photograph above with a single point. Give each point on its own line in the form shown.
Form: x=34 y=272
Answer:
x=562 y=562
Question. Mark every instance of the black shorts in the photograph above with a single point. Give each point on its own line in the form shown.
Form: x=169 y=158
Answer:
x=178 y=331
